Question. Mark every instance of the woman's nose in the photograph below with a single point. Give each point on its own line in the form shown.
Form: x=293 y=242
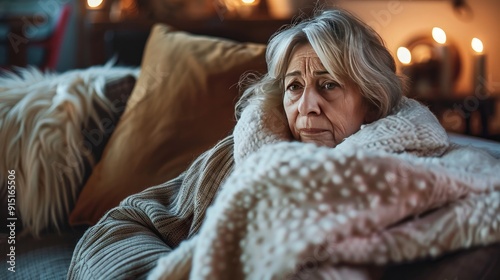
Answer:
x=309 y=102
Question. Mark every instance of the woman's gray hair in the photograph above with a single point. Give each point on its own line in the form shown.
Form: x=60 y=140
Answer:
x=350 y=50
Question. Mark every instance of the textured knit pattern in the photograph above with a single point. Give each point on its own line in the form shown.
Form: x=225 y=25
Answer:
x=410 y=128
x=130 y=238
x=292 y=209
x=293 y=206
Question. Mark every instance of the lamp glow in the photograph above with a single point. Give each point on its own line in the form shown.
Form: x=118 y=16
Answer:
x=477 y=45
x=94 y=3
x=248 y=2
x=404 y=55
x=439 y=35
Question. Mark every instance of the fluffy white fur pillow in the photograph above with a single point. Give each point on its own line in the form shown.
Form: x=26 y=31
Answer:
x=42 y=117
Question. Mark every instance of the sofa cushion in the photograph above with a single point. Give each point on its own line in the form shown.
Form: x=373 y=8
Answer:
x=47 y=257
x=182 y=104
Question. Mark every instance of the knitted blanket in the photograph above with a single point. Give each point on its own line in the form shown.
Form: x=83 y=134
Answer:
x=292 y=208
x=260 y=206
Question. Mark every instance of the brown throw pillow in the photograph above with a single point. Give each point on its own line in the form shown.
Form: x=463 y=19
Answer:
x=182 y=104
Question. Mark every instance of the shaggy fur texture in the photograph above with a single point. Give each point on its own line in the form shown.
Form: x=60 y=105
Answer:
x=42 y=117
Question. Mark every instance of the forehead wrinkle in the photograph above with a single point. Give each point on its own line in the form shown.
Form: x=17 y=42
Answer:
x=302 y=65
x=308 y=53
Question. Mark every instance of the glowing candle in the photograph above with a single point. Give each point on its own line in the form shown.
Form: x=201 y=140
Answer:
x=404 y=55
x=479 y=78
x=247 y=7
x=94 y=4
x=445 y=66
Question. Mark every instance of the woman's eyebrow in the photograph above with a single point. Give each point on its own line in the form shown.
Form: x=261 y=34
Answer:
x=319 y=73
x=293 y=74
x=298 y=73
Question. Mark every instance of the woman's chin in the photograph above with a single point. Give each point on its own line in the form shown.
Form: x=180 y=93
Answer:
x=326 y=140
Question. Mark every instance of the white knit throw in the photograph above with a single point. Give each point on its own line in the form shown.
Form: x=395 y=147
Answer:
x=291 y=209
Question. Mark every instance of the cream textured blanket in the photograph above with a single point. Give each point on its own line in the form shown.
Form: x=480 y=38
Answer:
x=293 y=209
x=259 y=206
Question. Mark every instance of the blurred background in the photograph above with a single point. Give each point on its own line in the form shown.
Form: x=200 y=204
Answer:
x=459 y=83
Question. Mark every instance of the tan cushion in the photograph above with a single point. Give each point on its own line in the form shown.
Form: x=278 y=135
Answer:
x=182 y=104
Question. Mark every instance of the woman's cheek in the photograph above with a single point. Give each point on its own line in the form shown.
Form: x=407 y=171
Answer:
x=287 y=101
x=290 y=102
x=290 y=113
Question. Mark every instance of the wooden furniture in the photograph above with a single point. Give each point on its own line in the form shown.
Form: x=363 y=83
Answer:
x=100 y=32
x=451 y=110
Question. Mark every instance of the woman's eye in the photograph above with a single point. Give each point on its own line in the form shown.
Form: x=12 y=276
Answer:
x=330 y=85
x=293 y=87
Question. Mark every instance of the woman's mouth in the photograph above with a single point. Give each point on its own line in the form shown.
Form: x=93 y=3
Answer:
x=312 y=131
x=318 y=136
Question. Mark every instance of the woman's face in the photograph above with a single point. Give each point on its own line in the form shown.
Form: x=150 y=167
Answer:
x=317 y=108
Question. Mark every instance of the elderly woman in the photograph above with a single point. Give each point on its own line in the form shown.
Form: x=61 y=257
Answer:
x=332 y=74
x=274 y=200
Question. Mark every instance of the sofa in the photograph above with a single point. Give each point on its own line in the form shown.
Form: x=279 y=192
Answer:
x=82 y=141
